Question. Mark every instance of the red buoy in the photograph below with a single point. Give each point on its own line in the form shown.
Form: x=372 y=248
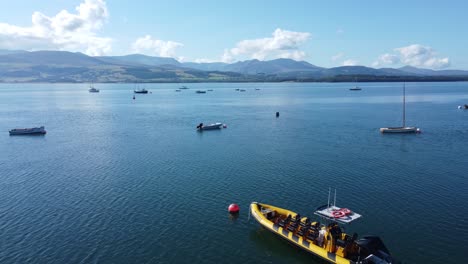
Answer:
x=233 y=209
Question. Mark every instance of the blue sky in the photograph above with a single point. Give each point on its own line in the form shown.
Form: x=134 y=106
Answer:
x=326 y=33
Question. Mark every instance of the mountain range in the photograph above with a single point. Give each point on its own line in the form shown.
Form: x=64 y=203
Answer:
x=63 y=66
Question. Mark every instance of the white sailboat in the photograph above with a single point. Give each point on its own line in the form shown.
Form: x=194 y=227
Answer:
x=355 y=88
x=92 y=89
x=403 y=128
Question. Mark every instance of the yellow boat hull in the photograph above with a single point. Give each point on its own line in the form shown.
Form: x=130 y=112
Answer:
x=299 y=241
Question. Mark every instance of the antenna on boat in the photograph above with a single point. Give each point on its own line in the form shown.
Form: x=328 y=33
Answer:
x=334 y=201
x=329 y=191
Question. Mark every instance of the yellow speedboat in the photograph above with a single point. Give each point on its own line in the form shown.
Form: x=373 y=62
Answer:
x=326 y=241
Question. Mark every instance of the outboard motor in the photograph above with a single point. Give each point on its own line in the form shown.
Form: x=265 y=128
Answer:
x=372 y=250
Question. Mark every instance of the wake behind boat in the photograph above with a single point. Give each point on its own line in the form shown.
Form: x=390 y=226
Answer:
x=327 y=241
x=28 y=131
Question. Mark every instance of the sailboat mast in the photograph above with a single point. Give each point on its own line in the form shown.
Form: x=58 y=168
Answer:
x=404 y=103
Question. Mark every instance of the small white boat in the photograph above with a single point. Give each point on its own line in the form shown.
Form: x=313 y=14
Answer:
x=399 y=130
x=200 y=91
x=355 y=88
x=27 y=131
x=201 y=126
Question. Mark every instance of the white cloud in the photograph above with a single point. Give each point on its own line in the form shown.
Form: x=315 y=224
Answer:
x=350 y=62
x=414 y=55
x=148 y=45
x=337 y=56
x=64 y=31
x=282 y=44
x=386 y=59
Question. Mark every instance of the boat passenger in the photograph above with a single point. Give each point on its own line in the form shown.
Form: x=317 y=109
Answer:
x=321 y=236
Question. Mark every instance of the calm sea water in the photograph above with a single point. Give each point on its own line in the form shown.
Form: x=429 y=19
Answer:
x=117 y=180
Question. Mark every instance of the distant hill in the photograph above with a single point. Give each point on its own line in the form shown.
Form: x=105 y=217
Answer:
x=206 y=66
x=6 y=52
x=271 y=67
x=428 y=72
x=140 y=59
x=51 y=58
x=63 y=66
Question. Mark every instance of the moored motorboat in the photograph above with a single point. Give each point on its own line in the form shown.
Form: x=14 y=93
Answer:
x=201 y=126
x=327 y=241
x=28 y=131
x=141 y=91
x=92 y=89
x=200 y=91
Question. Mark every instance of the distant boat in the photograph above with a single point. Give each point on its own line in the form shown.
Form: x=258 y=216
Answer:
x=237 y=89
x=210 y=90
x=200 y=91
x=242 y=90
x=403 y=128
x=141 y=91
x=92 y=89
x=183 y=88
x=27 y=131
x=355 y=88
x=201 y=126
x=177 y=90
x=257 y=89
